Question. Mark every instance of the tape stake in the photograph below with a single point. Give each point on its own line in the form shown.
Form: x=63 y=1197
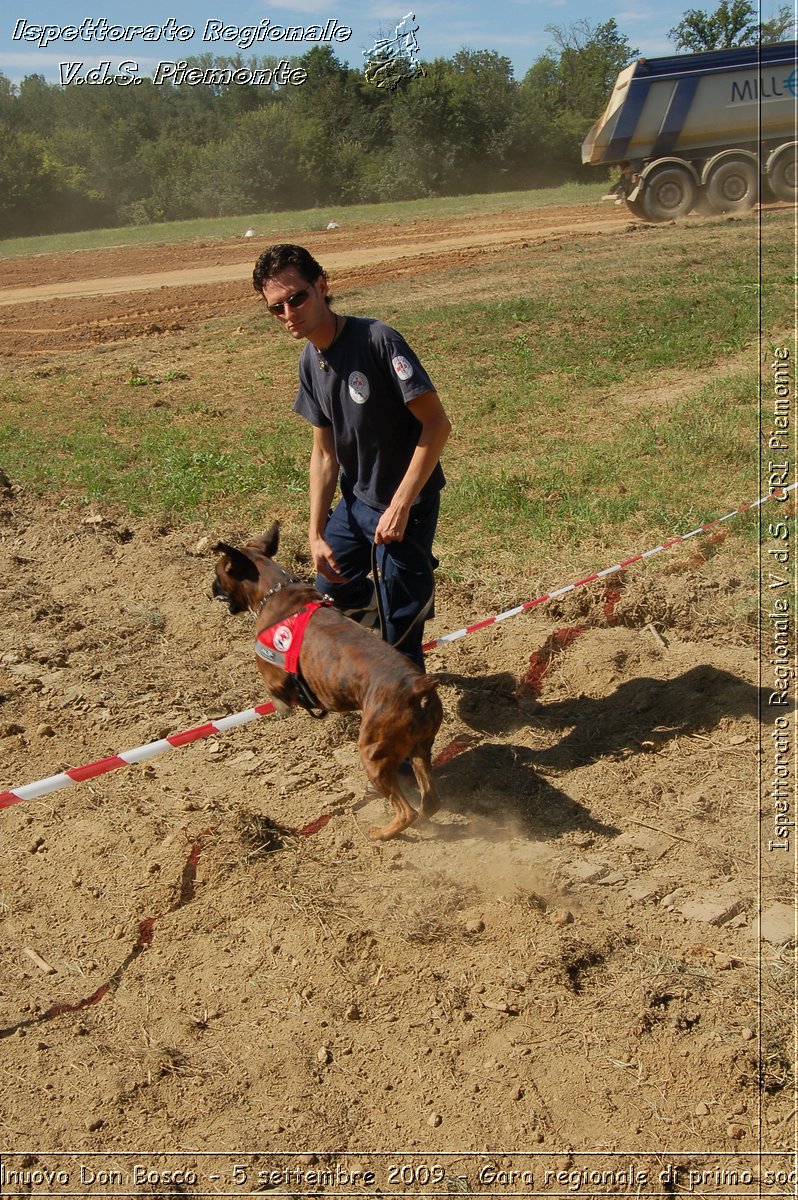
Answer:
x=139 y=754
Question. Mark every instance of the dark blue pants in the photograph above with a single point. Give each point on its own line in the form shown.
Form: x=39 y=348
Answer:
x=404 y=570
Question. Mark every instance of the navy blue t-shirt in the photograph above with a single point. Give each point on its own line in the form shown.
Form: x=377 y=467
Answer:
x=360 y=388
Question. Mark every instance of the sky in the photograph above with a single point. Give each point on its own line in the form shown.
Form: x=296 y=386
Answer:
x=514 y=28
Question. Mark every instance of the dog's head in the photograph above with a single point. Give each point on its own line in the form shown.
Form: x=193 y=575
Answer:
x=238 y=582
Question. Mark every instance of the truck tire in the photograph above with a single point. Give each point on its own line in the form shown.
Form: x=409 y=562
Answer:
x=784 y=177
x=636 y=209
x=733 y=186
x=670 y=193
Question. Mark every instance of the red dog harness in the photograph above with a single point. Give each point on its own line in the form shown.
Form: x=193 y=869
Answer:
x=280 y=645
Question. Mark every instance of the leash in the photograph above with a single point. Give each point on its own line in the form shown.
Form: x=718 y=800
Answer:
x=423 y=613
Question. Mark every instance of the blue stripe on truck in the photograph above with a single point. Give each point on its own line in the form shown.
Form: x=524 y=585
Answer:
x=627 y=121
x=675 y=115
x=737 y=58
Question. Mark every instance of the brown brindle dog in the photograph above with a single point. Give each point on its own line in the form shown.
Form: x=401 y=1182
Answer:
x=346 y=668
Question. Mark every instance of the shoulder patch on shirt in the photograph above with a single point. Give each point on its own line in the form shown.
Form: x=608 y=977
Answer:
x=359 y=388
x=402 y=367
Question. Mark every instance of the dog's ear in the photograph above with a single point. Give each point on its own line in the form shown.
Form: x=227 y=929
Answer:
x=239 y=565
x=267 y=543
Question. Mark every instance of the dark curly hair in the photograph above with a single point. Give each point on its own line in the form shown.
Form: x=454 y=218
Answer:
x=277 y=258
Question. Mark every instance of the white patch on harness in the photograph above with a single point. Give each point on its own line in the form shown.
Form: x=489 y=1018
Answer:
x=359 y=388
x=282 y=638
x=403 y=368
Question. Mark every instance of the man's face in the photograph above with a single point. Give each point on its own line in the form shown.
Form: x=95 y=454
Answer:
x=309 y=313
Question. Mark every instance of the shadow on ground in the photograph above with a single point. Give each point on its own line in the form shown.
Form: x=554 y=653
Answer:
x=500 y=785
x=641 y=714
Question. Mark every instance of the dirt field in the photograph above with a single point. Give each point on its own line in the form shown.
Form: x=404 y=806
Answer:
x=560 y=976
x=166 y=289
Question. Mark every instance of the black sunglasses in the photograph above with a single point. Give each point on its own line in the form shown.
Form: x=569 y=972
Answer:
x=294 y=301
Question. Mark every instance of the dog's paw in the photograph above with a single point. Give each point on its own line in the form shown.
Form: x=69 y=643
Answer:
x=383 y=833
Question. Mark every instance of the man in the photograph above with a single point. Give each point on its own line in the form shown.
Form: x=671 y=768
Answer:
x=378 y=428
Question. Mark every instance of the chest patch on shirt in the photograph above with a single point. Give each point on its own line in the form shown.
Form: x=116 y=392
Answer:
x=402 y=367
x=359 y=388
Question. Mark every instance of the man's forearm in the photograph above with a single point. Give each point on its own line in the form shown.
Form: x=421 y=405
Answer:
x=435 y=431
x=421 y=466
x=323 y=482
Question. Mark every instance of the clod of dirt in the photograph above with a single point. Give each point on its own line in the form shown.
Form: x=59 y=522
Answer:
x=560 y=917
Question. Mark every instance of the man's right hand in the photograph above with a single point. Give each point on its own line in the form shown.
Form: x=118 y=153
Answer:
x=324 y=560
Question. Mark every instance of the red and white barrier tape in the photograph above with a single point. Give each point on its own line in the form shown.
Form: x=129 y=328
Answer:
x=141 y=754
x=627 y=562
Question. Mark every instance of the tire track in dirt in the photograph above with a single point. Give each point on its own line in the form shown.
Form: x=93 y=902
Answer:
x=87 y=306
x=232 y=272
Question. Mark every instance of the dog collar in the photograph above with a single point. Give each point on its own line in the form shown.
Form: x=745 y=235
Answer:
x=281 y=643
x=278 y=587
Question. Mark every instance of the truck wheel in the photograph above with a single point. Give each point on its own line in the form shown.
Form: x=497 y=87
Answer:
x=733 y=186
x=670 y=193
x=635 y=208
x=784 y=177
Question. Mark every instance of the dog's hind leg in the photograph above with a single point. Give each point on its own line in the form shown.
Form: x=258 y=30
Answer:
x=381 y=772
x=426 y=725
x=405 y=816
x=422 y=769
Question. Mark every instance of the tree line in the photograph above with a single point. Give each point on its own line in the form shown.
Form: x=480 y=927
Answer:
x=80 y=156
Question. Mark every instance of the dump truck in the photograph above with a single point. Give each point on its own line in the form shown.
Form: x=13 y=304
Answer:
x=710 y=131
